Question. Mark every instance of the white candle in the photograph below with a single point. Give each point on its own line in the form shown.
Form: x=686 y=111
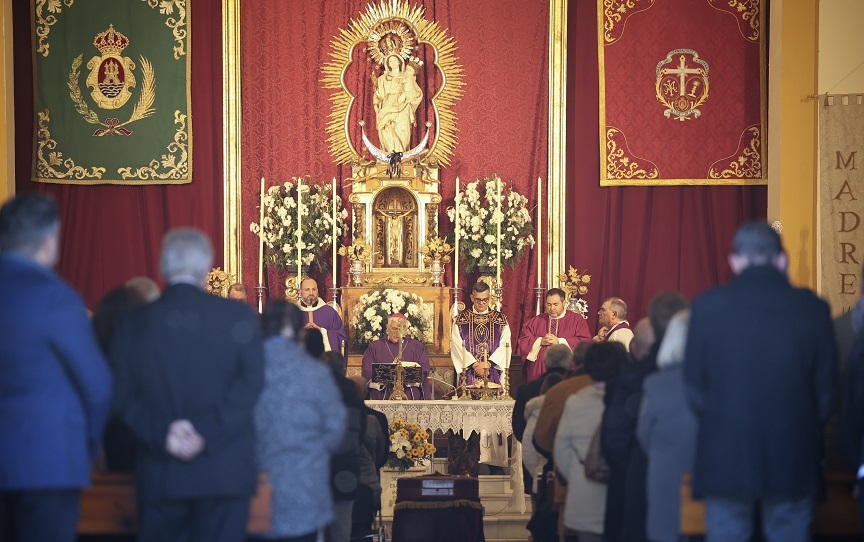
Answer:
x=539 y=233
x=456 y=235
x=299 y=227
x=498 y=236
x=334 y=233
x=261 y=240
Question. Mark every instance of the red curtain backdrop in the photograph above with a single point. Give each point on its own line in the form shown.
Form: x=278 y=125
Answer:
x=112 y=233
x=502 y=117
x=637 y=241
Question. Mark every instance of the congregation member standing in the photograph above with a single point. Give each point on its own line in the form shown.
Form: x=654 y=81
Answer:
x=189 y=370
x=584 y=506
x=118 y=442
x=759 y=370
x=55 y=387
x=297 y=430
x=555 y=326
x=667 y=432
x=321 y=316
x=625 y=499
x=237 y=292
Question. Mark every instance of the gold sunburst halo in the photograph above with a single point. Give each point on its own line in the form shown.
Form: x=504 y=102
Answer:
x=361 y=31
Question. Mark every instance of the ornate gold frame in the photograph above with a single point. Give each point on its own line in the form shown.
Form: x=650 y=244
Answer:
x=359 y=31
x=556 y=194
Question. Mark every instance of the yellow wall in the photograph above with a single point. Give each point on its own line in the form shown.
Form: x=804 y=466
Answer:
x=792 y=166
x=841 y=47
x=7 y=107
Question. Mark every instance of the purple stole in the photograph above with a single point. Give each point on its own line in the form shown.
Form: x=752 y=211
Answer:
x=616 y=327
x=478 y=330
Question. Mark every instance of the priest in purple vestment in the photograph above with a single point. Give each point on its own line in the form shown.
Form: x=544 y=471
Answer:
x=319 y=315
x=556 y=326
x=384 y=351
x=614 y=326
x=478 y=333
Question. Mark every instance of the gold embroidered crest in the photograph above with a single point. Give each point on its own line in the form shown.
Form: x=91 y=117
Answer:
x=682 y=84
x=111 y=75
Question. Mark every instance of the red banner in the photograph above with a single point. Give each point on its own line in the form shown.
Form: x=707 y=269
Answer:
x=682 y=92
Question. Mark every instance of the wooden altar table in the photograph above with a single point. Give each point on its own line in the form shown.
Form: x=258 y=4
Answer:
x=465 y=417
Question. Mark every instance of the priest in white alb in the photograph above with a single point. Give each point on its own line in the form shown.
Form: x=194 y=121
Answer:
x=479 y=340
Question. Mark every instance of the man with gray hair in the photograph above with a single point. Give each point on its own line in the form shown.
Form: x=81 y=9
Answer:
x=189 y=372
x=759 y=372
x=55 y=387
x=614 y=326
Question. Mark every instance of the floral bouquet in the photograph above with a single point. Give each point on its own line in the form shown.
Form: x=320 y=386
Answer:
x=372 y=310
x=478 y=219
x=218 y=282
x=279 y=228
x=575 y=286
x=359 y=250
x=408 y=445
x=436 y=248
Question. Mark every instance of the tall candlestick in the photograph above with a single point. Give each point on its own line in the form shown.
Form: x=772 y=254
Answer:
x=334 y=234
x=456 y=235
x=498 y=236
x=299 y=228
x=261 y=240
x=539 y=233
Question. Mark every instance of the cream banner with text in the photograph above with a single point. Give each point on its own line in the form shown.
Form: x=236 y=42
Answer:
x=841 y=200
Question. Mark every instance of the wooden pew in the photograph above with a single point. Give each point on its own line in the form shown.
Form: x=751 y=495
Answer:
x=109 y=506
x=837 y=515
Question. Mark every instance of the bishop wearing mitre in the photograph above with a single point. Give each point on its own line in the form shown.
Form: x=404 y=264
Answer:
x=556 y=326
x=386 y=350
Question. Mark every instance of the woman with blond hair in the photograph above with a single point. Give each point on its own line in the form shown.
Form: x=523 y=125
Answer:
x=667 y=432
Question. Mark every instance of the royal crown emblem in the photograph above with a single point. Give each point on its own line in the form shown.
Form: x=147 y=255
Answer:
x=111 y=80
x=682 y=84
x=111 y=74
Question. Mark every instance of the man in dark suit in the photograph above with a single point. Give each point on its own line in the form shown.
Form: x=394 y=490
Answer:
x=189 y=372
x=759 y=373
x=55 y=388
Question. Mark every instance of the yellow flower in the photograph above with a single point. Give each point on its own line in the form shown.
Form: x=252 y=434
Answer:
x=417 y=437
x=404 y=433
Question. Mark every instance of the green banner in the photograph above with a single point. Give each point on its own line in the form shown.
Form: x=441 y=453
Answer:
x=113 y=95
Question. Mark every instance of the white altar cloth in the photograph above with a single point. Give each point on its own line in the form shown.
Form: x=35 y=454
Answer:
x=494 y=417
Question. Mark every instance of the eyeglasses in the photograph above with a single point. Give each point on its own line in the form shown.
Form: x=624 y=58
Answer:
x=484 y=300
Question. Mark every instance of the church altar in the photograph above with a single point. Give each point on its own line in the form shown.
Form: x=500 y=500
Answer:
x=463 y=417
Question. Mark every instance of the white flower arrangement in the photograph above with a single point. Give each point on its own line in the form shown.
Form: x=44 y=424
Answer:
x=370 y=315
x=280 y=223
x=478 y=219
